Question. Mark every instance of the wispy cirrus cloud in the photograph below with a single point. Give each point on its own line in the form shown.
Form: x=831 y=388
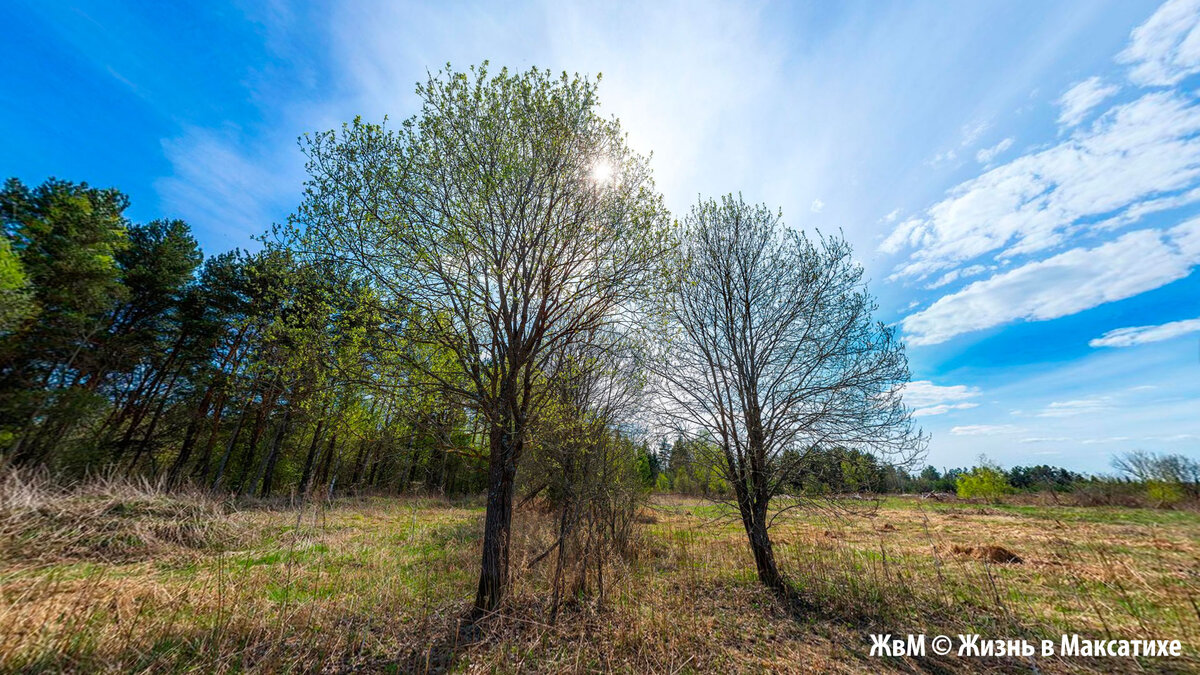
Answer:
x=712 y=63
x=956 y=274
x=1083 y=406
x=986 y=155
x=215 y=181
x=984 y=429
x=1173 y=438
x=1083 y=97
x=1140 y=335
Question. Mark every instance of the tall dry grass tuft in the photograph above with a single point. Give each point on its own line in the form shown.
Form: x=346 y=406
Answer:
x=104 y=518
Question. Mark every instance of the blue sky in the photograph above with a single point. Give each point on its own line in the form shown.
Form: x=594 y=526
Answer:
x=1020 y=179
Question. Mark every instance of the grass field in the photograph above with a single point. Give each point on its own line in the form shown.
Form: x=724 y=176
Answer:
x=132 y=582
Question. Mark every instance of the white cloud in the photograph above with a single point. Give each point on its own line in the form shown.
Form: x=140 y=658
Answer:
x=955 y=275
x=1082 y=97
x=943 y=409
x=906 y=234
x=1144 y=149
x=1142 y=209
x=1137 y=158
x=984 y=429
x=1064 y=284
x=1166 y=48
x=1045 y=439
x=986 y=155
x=1140 y=335
x=817 y=206
x=1076 y=407
x=920 y=393
x=713 y=64
x=943 y=158
x=1110 y=439
x=892 y=216
x=927 y=398
x=972 y=132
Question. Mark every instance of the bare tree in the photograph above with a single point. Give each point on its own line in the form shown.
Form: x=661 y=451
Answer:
x=1167 y=468
x=504 y=223
x=771 y=351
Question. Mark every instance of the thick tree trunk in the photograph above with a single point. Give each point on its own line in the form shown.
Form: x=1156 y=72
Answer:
x=493 y=574
x=753 y=500
x=764 y=553
x=752 y=506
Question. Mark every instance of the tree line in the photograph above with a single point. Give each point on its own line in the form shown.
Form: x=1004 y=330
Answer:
x=246 y=372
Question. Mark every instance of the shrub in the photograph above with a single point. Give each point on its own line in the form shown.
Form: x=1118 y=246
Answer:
x=1164 y=493
x=983 y=482
x=662 y=483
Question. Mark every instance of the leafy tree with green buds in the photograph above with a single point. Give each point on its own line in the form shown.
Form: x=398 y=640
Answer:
x=504 y=223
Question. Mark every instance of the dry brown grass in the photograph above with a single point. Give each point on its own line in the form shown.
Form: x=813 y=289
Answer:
x=383 y=584
x=103 y=519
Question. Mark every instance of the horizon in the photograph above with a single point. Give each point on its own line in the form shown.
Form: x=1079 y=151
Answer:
x=1021 y=182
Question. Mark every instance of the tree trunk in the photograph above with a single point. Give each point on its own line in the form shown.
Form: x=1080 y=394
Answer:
x=144 y=402
x=359 y=463
x=405 y=472
x=189 y=436
x=328 y=462
x=237 y=430
x=754 y=519
x=310 y=459
x=267 y=471
x=376 y=460
x=145 y=446
x=260 y=424
x=493 y=574
x=200 y=469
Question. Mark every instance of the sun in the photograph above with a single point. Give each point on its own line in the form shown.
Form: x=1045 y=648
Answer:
x=602 y=171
